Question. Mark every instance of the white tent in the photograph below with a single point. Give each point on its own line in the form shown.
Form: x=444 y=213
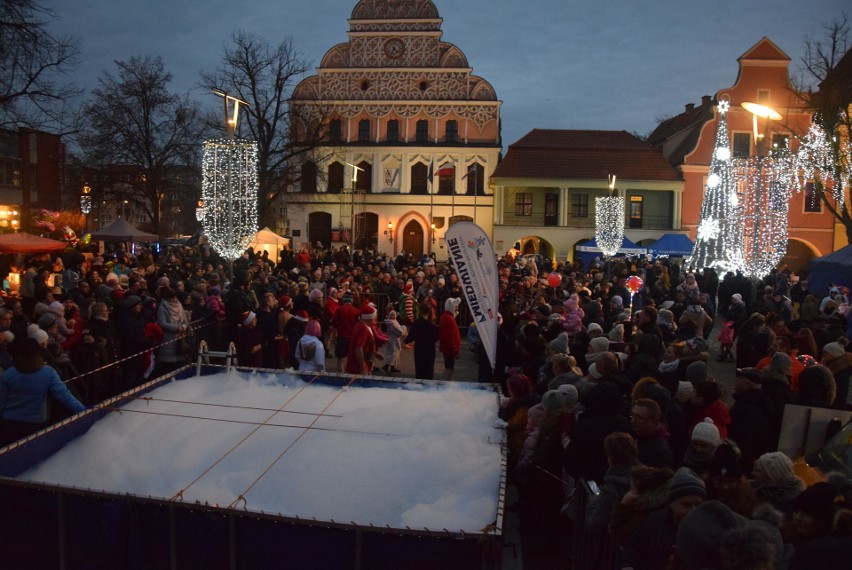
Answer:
x=269 y=241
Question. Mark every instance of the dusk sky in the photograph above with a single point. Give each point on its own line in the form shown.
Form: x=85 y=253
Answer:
x=612 y=65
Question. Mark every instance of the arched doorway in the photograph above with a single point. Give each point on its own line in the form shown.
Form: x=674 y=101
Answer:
x=529 y=245
x=319 y=228
x=412 y=239
x=799 y=254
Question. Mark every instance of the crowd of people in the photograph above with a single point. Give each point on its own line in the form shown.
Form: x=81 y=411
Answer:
x=601 y=382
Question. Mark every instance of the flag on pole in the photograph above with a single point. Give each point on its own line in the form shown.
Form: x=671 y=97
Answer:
x=446 y=171
x=431 y=172
x=471 y=170
x=473 y=259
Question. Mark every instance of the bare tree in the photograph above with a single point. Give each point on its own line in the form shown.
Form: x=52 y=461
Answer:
x=33 y=63
x=264 y=77
x=154 y=135
x=824 y=84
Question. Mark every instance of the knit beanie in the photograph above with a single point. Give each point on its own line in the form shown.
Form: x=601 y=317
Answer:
x=685 y=390
x=594 y=327
x=46 y=321
x=834 y=349
x=696 y=372
x=699 y=532
x=554 y=401
x=706 y=432
x=777 y=466
x=314 y=295
x=34 y=332
x=616 y=334
x=599 y=344
x=572 y=395
x=560 y=344
x=686 y=483
x=57 y=308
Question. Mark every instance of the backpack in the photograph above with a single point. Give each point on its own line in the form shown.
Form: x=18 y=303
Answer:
x=307 y=351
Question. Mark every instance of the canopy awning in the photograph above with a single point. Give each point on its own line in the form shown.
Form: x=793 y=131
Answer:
x=121 y=230
x=22 y=242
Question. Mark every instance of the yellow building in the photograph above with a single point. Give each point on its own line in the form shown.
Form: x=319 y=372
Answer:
x=413 y=137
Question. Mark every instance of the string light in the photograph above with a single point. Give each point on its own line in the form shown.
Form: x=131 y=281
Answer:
x=609 y=224
x=229 y=191
x=718 y=242
x=766 y=188
x=815 y=159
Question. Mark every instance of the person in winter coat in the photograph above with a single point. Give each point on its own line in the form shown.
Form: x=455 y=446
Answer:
x=651 y=434
x=173 y=321
x=752 y=418
x=703 y=441
x=249 y=342
x=310 y=351
x=708 y=403
x=776 y=483
x=622 y=455
x=574 y=316
x=423 y=335
x=585 y=456
x=393 y=347
x=649 y=490
x=652 y=544
x=449 y=337
x=362 y=347
x=24 y=391
x=839 y=361
x=131 y=330
x=514 y=411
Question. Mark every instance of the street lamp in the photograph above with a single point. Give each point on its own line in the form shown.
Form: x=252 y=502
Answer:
x=390 y=231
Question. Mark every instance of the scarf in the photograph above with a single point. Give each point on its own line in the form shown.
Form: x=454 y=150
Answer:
x=175 y=310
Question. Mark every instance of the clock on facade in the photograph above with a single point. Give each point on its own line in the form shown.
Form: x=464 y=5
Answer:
x=394 y=48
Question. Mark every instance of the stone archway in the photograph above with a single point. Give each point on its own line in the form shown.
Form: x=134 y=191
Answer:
x=412 y=239
x=535 y=245
x=799 y=254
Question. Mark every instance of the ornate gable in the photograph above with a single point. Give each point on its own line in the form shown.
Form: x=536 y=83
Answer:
x=394 y=10
x=764 y=50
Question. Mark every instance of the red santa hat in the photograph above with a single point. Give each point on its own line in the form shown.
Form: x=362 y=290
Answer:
x=301 y=316
x=248 y=317
x=368 y=312
x=409 y=287
x=285 y=301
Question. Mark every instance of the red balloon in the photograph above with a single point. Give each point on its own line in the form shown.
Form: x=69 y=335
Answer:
x=634 y=283
x=554 y=279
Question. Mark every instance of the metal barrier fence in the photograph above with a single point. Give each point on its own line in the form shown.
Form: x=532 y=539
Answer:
x=382 y=301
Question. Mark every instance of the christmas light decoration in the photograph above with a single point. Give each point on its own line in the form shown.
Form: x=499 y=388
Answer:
x=86 y=199
x=229 y=190
x=766 y=187
x=609 y=224
x=718 y=242
x=815 y=160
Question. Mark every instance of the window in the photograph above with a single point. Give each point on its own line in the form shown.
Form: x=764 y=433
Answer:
x=446 y=180
x=452 y=134
x=780 y=141
x=742 y=145
x=335 y=178
x=551 y=209
x=393 y=131
x=422 y=134
x=637 y=204
x=10 y=172
x=419 y=176
x=523 y=204
x=365 y=176
x=812 y=199
x=364 y=130
x=308 y=183
x=334 y=132
x=763 y=97
x=579 y=205
x=476 y=180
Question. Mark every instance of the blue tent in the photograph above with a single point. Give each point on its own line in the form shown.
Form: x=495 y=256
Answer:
x=672 y=245
x=832 y=269
x=588 y=251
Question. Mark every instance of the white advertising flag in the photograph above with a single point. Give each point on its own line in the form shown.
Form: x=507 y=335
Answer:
x=472 y=256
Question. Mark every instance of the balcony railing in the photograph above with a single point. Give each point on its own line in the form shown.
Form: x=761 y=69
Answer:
x=538 y=219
